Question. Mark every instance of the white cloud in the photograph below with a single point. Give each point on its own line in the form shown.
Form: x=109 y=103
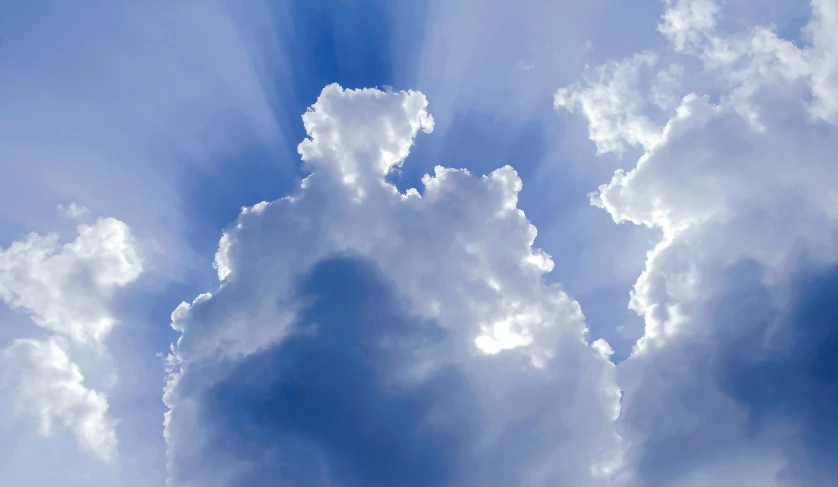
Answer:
x=667 y=83
x=65 y=289
x=614 y=108
x=42 y=382
x=460 y=253
x=823 y=57
x=685 y=21
x=742 y=189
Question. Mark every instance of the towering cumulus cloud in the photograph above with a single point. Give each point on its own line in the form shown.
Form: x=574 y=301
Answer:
x=735 y=381
x=363 y=337
x=65 y=290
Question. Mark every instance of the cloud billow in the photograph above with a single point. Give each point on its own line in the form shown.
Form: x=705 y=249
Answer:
x=732 y=383
x=365 y=336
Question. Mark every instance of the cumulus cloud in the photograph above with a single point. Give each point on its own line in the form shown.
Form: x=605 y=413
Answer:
x=65 y=289
x=823 y=58
x=362 y=337
x=47 y=385
x=684 y=21
x=613 y=106
x=730 y=383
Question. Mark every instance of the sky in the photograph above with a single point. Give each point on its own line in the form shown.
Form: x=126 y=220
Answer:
x=433 y=243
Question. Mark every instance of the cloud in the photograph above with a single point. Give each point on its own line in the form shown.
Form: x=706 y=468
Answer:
x=684 y=21
x=823 y=59
x=65 y=290
x=44 y=383
x=64 y=287
x=729 y=380
x=392 y=317
x=613 y=106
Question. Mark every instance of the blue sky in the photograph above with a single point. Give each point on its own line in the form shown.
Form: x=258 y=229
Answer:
x=615 y=268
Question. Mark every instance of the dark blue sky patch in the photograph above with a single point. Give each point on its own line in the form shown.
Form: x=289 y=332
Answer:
x=787 y=370
x=351 y=43
x=332 y=400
